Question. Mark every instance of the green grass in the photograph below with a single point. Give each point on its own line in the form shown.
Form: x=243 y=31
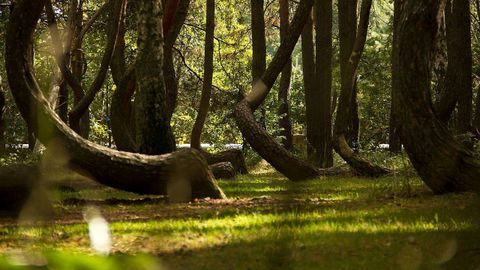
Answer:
x=267 y=223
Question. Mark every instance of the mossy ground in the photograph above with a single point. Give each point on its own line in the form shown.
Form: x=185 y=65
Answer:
x=267 y=223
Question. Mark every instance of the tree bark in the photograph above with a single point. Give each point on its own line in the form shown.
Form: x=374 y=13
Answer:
x=175 y=14
x=394 y=143
x=259 y=47
x=153 y=174
x=323 y=81
x=223 y=170
x=284 y=122
x=196 y=135
x=154 y=134
x=311 y=93
x=443 y=164
x=282 y=160
x=233 y=156
x=459 y=70
x=2 y=120
x=343 y=120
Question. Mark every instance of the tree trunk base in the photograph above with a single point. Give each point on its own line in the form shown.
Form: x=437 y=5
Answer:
x=223 y=170
x=233 y=156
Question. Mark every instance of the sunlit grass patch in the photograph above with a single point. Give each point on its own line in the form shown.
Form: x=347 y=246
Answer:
x=269 y=222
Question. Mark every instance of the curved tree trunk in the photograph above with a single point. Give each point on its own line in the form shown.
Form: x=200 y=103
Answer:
x=281 y=159
x=127 y=171
x=343 y=120
x=196 y=135
x=442 y=163
x=284 y=123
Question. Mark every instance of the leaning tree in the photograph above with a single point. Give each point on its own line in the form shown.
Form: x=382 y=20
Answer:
x=127 y=171
x=444 y=164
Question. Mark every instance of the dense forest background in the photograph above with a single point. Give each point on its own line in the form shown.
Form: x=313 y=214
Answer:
x=232 y=68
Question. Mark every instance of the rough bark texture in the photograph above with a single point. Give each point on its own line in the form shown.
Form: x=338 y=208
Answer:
x=196 y=135
x=311 y=93
x=127 y=171
x=323 y=81
x=284 y=121
x=343 y=120
x=281 y=159
x=154 y=134
x=443 y=163
x=223 y=170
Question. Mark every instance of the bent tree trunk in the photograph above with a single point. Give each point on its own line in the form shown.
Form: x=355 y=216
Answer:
x=281 y=159
x=442 y=163
x=343 y=120
x=127 y=171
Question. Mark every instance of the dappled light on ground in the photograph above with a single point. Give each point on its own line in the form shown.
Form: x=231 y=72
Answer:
x=267 y=222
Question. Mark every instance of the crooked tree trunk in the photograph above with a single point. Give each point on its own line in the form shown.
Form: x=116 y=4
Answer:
x=281 y=159
x=323 y=81
x=442 y=163
x=343 y=120
x=152 y=174
x=284 y=122
x=196 y=135
x=154 y=134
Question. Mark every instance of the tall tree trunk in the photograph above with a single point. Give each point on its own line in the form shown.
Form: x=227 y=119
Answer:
x=443 y=164
x=121 y=115
x=78 y=70
x=347 y=26
x=343 y=120
x=175 y=15
x=2 y=120
x=154 y=134
x=394 y=143
x=459 y=70
x=323 y=79
x=259 y=46
x=196 y=135
x=154 y=174
x=311 y=92
x=284 y=122
x=282 y=160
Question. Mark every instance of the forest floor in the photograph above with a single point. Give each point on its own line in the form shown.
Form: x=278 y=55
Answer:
x=267 y=223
